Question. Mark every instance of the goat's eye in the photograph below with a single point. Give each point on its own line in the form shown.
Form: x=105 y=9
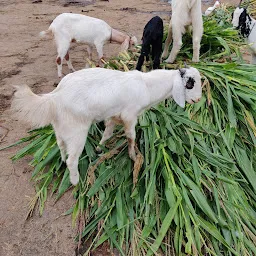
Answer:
x=190 y=83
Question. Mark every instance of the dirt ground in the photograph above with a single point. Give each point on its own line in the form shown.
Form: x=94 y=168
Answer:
x=25 y=58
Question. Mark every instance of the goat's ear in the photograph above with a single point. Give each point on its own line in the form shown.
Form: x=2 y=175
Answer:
x=182 y=72
x=178 y=93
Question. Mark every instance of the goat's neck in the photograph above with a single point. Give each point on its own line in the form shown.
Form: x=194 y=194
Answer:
x=159 y=84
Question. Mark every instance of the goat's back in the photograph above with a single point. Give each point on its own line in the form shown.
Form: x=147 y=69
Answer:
x=154 y=28
x=81 y=28
x=98 y=93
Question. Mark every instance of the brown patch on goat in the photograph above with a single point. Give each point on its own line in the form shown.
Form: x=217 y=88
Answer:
x=67 y=57
x=58 y=60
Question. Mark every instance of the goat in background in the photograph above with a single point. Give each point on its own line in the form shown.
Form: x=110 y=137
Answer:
x=246 y=25
x=71 y=27
x=184 y=13
x=152 y=37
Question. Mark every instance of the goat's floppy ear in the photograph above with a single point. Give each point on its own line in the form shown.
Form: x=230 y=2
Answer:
x=178 y=93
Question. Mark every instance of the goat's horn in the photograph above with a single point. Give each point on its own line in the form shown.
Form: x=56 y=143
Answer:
x=185 y=64
x=240 y=3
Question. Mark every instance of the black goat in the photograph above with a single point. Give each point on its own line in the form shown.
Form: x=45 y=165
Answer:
x=152 y=36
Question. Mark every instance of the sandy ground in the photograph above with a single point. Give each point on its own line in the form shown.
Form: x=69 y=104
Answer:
x=27 y=59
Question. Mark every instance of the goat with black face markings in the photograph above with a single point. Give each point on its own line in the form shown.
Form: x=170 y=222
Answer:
x=246 y=25
x=97 y=94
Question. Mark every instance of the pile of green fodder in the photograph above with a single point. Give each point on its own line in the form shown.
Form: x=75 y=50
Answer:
x=196 y=189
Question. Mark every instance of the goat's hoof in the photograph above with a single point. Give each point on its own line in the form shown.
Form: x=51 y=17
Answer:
x=74 y=179
x=169 y=61
x=98 y=149
x=164 y=56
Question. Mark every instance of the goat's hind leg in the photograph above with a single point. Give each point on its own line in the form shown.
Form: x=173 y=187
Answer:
x=108 y=132
x=177 y=43
x=75 y=141
x=62 y=49
x=70 y=66
x=62 y=147
x=145 y=50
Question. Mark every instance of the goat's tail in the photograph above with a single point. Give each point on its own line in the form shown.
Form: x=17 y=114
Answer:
x=38 y=110
x=44 y=33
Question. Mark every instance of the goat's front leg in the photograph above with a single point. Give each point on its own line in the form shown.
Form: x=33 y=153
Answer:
x=177 y=43
x=129 y=127
x=99 y=48
x=167 y=41
x=89 y=50
x=145 y=50
x=108 y=132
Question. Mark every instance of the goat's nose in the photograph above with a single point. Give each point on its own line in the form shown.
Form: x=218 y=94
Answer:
x=197 y=100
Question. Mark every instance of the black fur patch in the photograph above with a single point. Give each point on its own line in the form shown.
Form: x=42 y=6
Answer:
x=190 y=83
x=244 y=24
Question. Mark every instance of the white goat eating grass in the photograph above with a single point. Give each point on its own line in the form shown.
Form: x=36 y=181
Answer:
x=246 y=25
x=96 y=94
x=70 y=27
x=184 y=13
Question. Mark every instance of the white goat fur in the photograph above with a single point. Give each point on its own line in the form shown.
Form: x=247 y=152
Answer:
x=251 y=39
x=70 y=27
x=184 y=13
x=96 y=94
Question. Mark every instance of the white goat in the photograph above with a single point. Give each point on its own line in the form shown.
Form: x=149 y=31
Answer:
x=96 y=94
x=70 y=27
x=184 y=13
x=246 y=24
